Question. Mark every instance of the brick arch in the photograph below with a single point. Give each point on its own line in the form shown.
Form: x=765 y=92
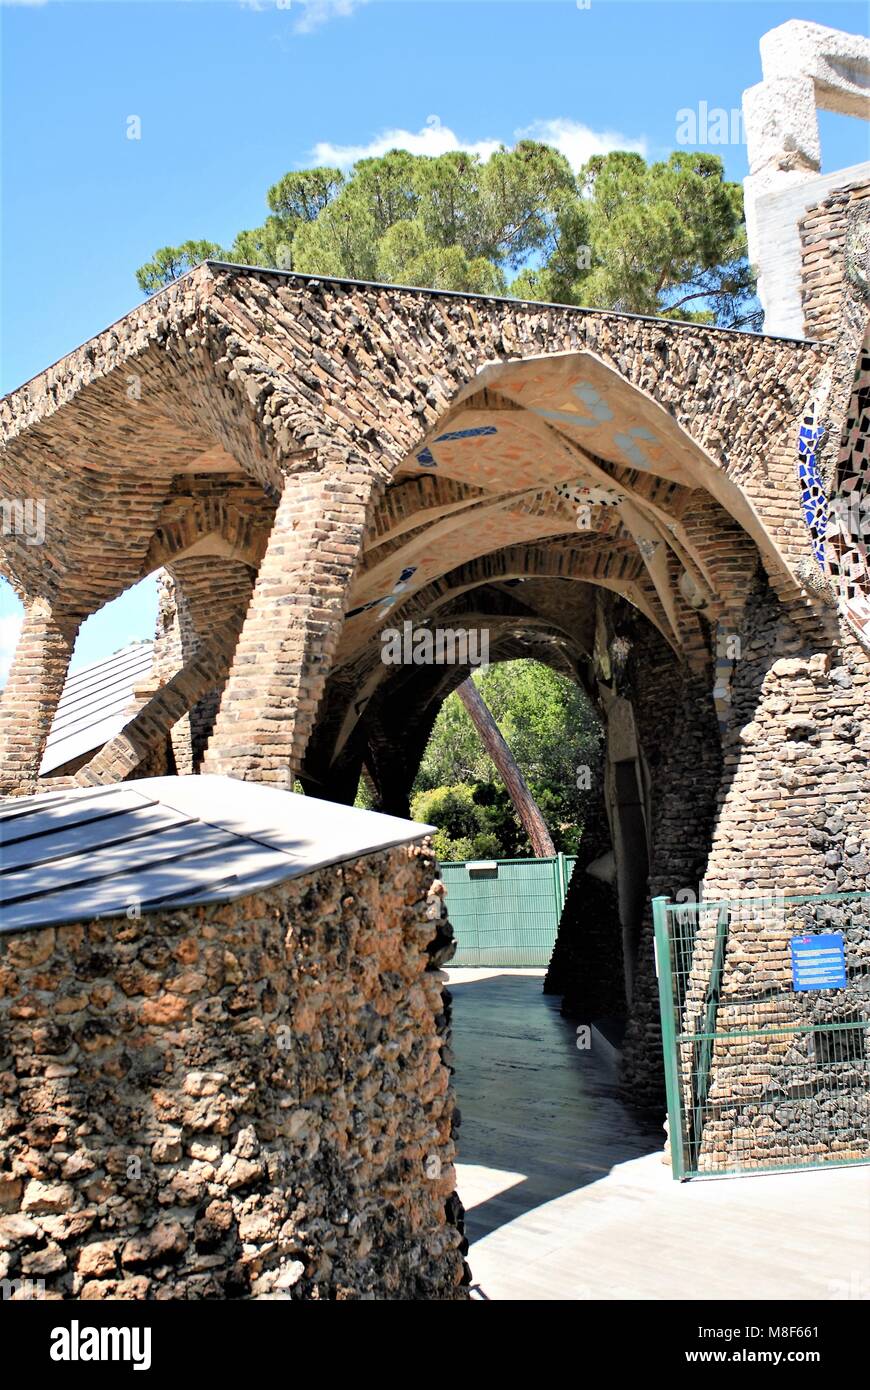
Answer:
x=425 y=696
x=193 y=651
x=619 y=570
x=325 y=392
x=520 y=385
x=209 y=597
x=207 y=526
x=537 y=643
x=413 y=502
x=351 y=686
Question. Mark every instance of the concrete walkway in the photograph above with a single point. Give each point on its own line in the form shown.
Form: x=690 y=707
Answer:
x=567 y=1196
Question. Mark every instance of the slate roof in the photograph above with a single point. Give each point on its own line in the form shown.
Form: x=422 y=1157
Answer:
x=95 y=704
x=68 y=856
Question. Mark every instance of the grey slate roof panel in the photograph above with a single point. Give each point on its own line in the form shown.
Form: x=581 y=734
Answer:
x=81 y=836
x=94 y=705
x=170 y=841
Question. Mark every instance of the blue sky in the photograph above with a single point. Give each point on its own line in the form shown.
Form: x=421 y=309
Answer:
x=231 y=95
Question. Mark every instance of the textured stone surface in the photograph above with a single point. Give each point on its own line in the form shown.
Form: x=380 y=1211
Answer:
x=244 y=1100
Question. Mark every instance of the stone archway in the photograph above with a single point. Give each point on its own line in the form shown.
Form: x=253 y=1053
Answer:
x=407 y=443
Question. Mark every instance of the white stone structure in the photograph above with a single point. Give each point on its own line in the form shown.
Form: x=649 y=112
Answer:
x=805 y=67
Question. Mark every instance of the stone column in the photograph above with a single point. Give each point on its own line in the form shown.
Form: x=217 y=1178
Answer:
x=680 y=742
x=586 y=967
x=292 y=628
x=30 y=697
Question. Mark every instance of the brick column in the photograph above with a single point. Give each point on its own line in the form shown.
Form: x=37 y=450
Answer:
x=31 y=694
x=292 y=628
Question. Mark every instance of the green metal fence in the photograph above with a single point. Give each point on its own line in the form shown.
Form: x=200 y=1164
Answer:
x=506 y=911
x=765 y=1010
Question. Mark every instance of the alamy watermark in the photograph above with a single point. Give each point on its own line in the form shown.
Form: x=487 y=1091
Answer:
x=438 y=646
x=23 y=516
x=852 y=514
x=77 y=1343
x=767 y=907
x=21 y=1288
x=705 y=125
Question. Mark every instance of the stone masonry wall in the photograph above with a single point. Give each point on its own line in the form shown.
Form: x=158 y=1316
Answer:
x=794 y=804
x=792 y=817
x=824 y=270
x=680 y=739
x=239 y=1100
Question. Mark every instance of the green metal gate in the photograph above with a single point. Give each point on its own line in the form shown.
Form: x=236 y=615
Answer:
x=764 y=1070
x=506 y=911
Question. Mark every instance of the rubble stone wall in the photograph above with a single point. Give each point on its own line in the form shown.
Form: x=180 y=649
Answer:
x=794 y=804
x=239 y=1100
x=792 y=818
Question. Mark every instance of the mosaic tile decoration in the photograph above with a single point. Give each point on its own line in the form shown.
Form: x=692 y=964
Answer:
x=428 y=460
x=724 y=673
x=466 y=434
x=389 y=599
x=813 y=499
x=848 y=531
x=857 y=613
x=582 y=493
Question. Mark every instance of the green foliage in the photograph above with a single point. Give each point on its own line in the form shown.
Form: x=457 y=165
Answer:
x=365 y=794
x=665 y=238
x=303 y=195
x=464 y=824
x=662 y=238
x=551 y=729
x=171 y=261
x=271 y=244
x=524 y=190
x=404 y=258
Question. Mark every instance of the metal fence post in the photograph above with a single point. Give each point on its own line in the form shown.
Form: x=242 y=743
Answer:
x=664 y=969
x=562 y=882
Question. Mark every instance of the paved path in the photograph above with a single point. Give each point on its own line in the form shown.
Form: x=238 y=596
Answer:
x=568 y=1198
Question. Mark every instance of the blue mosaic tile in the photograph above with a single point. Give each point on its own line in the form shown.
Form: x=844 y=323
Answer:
x=814 y=501
x=397 y=588
x=466 y=434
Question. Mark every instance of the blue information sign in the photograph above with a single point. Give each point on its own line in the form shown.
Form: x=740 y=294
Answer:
x=818 y=962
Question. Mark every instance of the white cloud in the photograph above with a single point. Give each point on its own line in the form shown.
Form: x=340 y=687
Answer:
x=10 y=628
x=577 y=142
x=433 y=139
x=310 y=14
x=317 y=12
